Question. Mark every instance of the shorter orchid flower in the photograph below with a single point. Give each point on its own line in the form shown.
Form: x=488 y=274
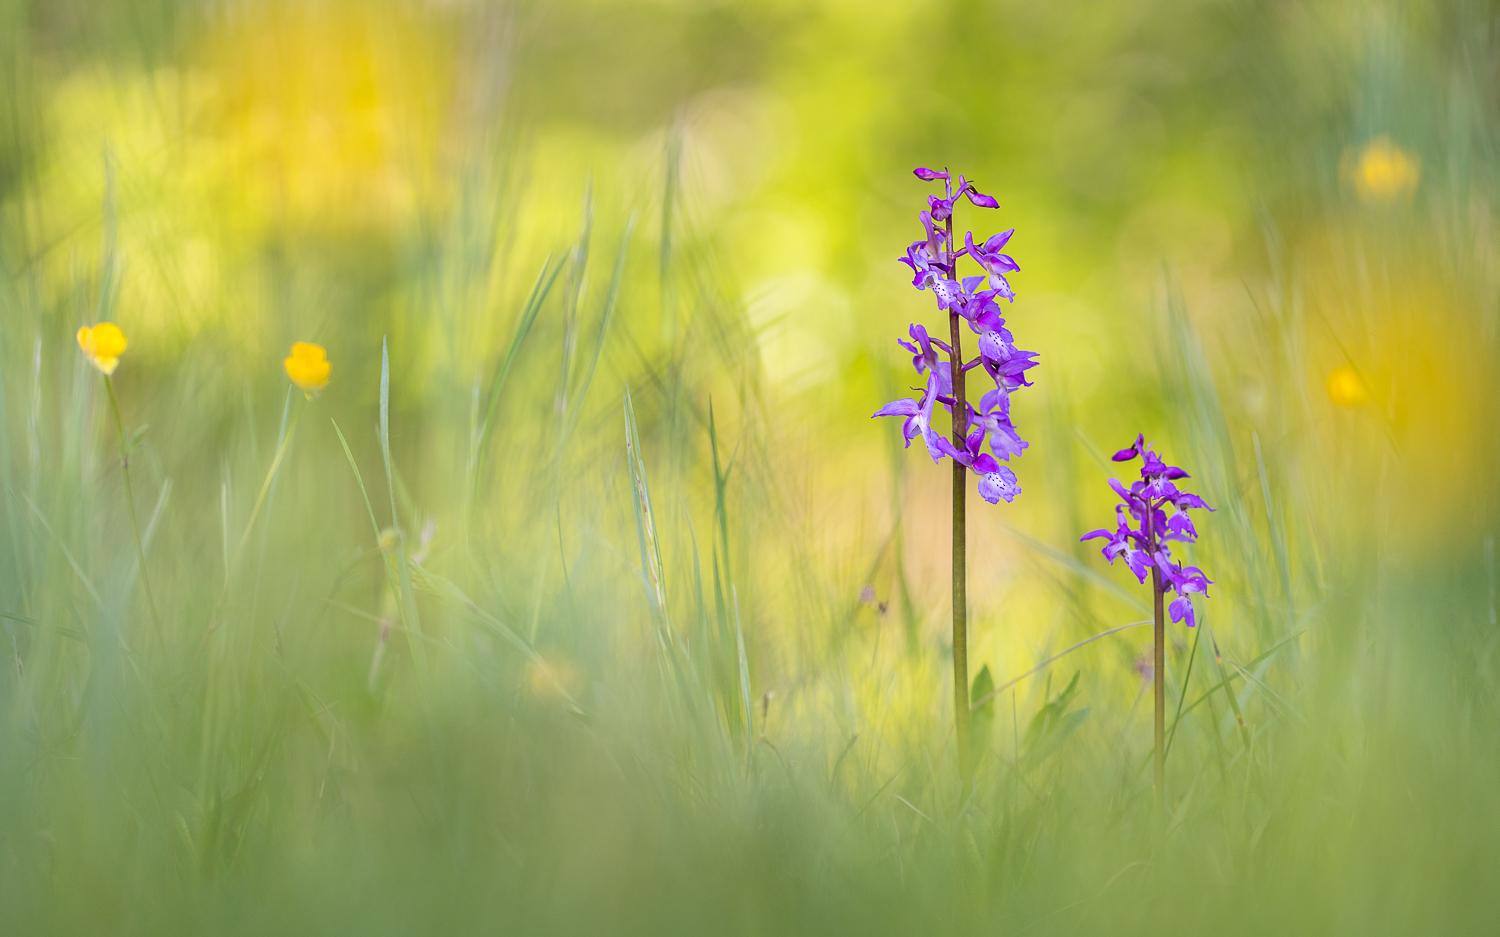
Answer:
x=1147 y=548
x=1145 y=502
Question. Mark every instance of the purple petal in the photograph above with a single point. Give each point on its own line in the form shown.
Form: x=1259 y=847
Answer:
x=1125 y=455
x=975 y=439
x=903 y=407
x=940 y=446
x=929 y=175
x=998 y=241
x=1184 y=499
x=1005 y=442
x=1001 y=483
x=983 y=201
x=995 y=401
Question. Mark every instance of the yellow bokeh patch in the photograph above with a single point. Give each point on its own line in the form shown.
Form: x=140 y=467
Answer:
x=103 y=343
x=308 y=367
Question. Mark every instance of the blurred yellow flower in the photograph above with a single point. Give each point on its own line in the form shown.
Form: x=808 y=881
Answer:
x=1383 y=171
x=1346 y=388
x=308 y=367
x=104 y=343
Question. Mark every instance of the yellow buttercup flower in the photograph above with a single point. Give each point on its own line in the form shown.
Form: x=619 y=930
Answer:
x=1383 y=171
x=308 y=367
x=104 y=343
x=1346 y=388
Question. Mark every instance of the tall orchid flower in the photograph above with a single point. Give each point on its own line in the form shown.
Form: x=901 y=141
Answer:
x=1146 y=548
x=971 y=299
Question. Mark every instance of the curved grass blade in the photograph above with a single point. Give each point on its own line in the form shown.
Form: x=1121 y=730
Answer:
x=407 y=603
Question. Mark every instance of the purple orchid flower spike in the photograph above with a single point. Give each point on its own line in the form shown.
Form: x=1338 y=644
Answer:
x=933 y=261
x=1146 y=548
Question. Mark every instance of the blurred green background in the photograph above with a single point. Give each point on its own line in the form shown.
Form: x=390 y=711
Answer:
x=587 y=597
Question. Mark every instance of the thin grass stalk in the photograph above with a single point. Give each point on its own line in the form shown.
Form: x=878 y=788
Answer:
x=265 y=531
x=135 y=527
x=1182 y=694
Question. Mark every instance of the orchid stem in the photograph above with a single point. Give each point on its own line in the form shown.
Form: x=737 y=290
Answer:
x=960 y=541
x=135 y=527
x=1159 y=671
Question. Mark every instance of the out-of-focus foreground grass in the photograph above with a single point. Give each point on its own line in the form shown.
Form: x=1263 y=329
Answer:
x=524 y=656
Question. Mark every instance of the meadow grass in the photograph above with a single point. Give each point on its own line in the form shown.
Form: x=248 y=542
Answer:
x=547 y=616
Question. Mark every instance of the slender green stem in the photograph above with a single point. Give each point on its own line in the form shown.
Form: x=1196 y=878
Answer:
x=1182 y=696
x=1159 y=668
x=135 y=527
x=960 y=543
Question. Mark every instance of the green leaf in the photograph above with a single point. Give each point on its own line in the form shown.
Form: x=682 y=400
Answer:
x=981 y=720
x=1053 y=723
x=133 y=438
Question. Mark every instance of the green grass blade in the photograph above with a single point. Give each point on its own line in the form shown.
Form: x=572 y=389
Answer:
x=374 y=524
x=539 y=290
x=744 y=672
x=1182 y=694
x=611 y=302
x=406 y=595
x=645 y=519
x=1063 y=559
